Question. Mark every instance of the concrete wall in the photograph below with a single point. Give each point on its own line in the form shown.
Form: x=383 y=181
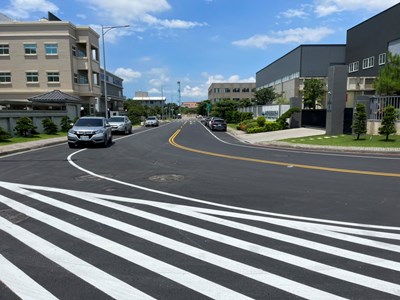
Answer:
x=9 y=119
x=373 y=127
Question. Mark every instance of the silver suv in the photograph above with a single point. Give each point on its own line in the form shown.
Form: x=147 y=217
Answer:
x=90 y=131
x=151 y=121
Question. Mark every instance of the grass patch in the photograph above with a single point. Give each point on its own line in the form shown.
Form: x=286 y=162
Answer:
x=36 y=137
x=349 y=141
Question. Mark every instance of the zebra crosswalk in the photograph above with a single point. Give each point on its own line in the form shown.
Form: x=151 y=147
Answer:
x=186 y=250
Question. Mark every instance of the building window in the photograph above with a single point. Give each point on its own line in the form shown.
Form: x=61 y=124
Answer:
x=227 y=90
x=53 y=76
x=245 y=90
x=51 y=49
x=217 y=90
x=4 y=49
x=83 y=79
x=30 y=49
x=236 y=90
x=368 y=62
x=32 y=76
x=382 y=59
x=353 y=67
x=5 y=77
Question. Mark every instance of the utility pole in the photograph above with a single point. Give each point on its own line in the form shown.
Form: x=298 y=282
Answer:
x=179 y=95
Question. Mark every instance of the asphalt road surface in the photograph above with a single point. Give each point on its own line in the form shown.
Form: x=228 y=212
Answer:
x=179 y=212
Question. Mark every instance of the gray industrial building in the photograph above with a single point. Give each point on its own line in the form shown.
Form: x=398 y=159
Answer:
x=367 y=45
x=286 y=75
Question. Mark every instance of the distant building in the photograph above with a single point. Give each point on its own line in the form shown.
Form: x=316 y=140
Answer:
x=144 y=99
x=286 y=75
x=231 y=91
x=190 y=104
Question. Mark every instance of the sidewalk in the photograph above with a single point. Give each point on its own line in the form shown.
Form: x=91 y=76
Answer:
x=272 y=138
x=19 y=147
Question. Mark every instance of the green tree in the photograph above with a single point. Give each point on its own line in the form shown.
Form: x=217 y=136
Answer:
x=313 y=92
x=49 y=127
x=388 y=122
x=224 y=109
x=265 y=96
x=388 y=81
x=202 y=107
x=24 y=126
x=282 y=120
x=360 y=120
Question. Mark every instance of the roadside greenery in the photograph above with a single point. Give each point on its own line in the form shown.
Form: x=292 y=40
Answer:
x=349 y=140
x=24 y=127
x=313 y=92
x=388 y=81
x=4 y=135
x=49 y=127
x=360 y=121
x=388 y=122
x=23 y=139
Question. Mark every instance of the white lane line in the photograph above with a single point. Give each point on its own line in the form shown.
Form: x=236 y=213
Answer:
x=20 y=283
x=96 y=277
x=271 y=253
x=178 y=275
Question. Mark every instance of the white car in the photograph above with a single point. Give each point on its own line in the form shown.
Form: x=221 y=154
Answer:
x=120 y=124
x=151 y=121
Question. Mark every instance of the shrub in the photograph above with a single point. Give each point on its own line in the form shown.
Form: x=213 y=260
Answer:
x=255 y=129
x=24 y=126
x=49 y=127
x=4 y=135
x=272 y=126
x=65 y=124
x=261 y=121
x=282 y=119
x=244 y=125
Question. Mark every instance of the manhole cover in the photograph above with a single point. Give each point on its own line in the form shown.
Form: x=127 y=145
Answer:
x=166 y=178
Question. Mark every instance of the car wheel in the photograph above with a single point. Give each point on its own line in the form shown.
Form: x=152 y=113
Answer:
x=71 y=145
x=105 y=143
x=126 y=131
x=110 y=140
x=130 y=130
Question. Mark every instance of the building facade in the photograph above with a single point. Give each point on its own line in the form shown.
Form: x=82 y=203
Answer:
x=190 y=104
x=144 y=99
x=50 y=54
x=286 y=75
x=231 y=91
x=367 y=45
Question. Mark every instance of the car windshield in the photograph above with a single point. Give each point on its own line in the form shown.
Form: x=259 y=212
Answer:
x=218 y=121
x=151 y=118
x=89 y=122
x=116 y=119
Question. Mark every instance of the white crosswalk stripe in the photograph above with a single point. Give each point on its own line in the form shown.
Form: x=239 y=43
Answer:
x=358 y=234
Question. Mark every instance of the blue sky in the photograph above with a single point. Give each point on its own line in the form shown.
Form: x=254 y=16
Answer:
x=198 y=42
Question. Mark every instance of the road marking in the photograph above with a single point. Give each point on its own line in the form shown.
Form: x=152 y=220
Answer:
x=270 y=162
x=209 y=215
x=20 y=283
x=99 y=279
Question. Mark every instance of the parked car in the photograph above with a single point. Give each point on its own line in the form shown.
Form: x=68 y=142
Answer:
x=218 y=124
x=120 y=124
x=151 y=121
x=90 y=131
x=205 y=121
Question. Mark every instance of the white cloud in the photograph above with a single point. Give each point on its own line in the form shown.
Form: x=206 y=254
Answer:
x=296 y=35
x=21 y=9
x=137 y=11
x=127 y=74
x=327 y=7
x=294 y=13
x=159 y=76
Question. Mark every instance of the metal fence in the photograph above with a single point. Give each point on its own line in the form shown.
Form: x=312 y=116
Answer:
x=377 y=105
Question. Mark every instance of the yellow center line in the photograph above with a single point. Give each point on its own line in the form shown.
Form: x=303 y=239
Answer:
x=270 y=162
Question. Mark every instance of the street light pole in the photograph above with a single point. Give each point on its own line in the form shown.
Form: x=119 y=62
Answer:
x=104 y=30
x=179 y=95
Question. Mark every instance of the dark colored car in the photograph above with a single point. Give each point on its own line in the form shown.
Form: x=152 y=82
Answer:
x=90 y=131
x=120 y=124
x=218 y=124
